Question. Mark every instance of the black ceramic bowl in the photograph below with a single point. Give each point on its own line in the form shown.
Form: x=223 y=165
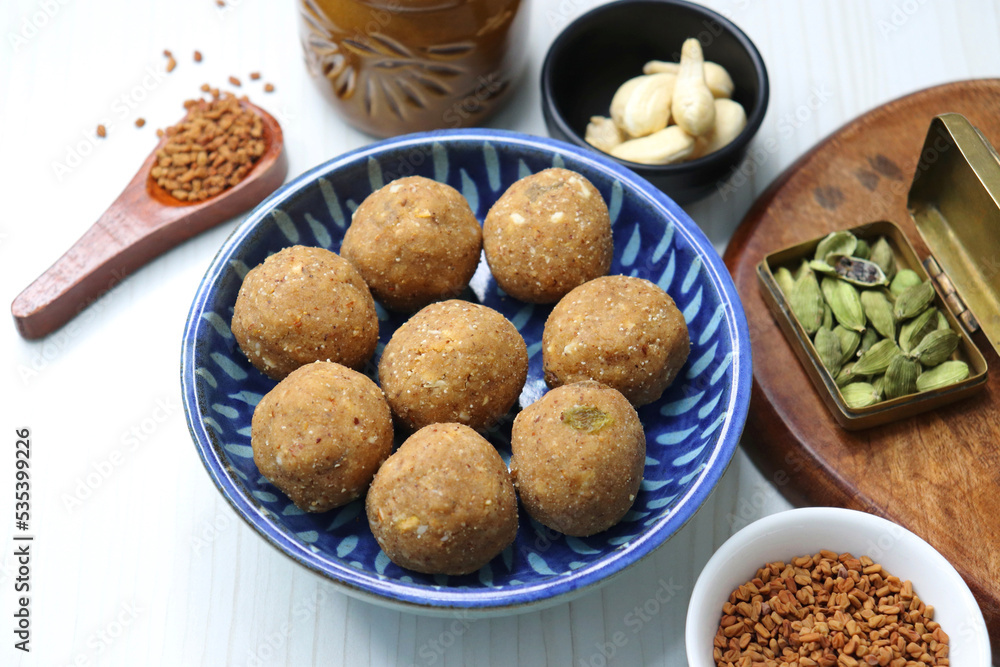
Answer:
x=608 y=45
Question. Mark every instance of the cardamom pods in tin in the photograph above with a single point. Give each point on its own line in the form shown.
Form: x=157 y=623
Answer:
x=913 y=301
x=859 y=395
x=911 y=333
x=828 y=347
x=879 y=312
x=856 y=271
x=849 y=342
x=943 y=375
x=901 y=377
x=845 y=303
x=843 y=243
x=882 y=255
x=806 y=302
x=877 y=358
x=936 y=347
x=878 y=383
x=819 y=266
x=827 y=316
x=904 y=280
x=863 y=251
x=942 y=321
x=785 y=281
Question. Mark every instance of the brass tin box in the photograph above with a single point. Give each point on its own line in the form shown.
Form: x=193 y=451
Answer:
x=955 y=202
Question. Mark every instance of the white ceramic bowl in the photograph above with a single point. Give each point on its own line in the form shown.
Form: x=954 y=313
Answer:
x=797 y=532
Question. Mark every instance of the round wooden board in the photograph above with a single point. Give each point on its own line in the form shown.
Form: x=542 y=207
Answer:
x=937 y=473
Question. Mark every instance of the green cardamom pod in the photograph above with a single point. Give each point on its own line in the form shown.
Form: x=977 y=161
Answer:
x=913 y=301
x=863 y=250
x=936 y=347
x=901 y=377
x=802 y=270
x=860 y=272
x=904 y=280
x=943 y=375
x=877 y=358
x=785 y=281
x=806 y=302
x=859 y=395
x=942 y=321
x=878 y=384
x=845 y=303
x=843 y=243
x=828 y=347
x=882 y=255
x=847 y=375
x=868 y=338
x=911 y=333
x=879 y=312
x=819 y=266
x=827 y=316
x=849 y=342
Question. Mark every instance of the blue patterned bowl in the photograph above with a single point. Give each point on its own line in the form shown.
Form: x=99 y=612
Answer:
x=691 y=431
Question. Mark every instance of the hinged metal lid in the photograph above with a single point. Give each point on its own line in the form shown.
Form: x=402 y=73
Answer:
x=955 y=203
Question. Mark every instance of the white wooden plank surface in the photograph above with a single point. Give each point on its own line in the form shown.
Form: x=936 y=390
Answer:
x=152 y=567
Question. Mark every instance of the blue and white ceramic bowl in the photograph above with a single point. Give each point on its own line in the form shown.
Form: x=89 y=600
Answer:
x=691 y=431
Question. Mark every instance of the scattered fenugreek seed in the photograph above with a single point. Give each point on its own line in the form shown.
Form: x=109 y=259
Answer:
x=197 y=56
x=171 y=64
x=236 y=82
x=254 y=76
x=139 y=122
x=268 y=87
x=102 y=131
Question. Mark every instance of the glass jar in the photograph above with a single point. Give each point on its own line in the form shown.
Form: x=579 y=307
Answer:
x=397 y=66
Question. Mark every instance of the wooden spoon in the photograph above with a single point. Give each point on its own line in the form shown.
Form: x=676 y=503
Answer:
x=144 y=222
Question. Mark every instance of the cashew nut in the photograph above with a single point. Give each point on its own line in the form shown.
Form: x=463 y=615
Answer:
x=603 y=134
x=716 y=77
x=621 y=98
x=693 y=106
x=648 y=107
x=730 y=119
x=664 y=147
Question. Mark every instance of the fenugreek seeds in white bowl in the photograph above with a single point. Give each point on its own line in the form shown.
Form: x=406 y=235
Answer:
x=895 y=598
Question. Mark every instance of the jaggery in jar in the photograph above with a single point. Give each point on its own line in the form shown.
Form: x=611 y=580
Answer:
x=397 y=66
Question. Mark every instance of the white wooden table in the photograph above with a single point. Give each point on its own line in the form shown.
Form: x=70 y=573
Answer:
x=137 y=558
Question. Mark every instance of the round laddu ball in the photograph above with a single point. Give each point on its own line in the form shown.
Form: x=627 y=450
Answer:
x=453 y=361
x=443 y=503
x=415 y=241
x=577 y=458
x=321 y=434
x=548 y=233
x=303 y=305
x=624 y=332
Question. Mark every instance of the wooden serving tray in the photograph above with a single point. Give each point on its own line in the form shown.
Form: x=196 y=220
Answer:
x=936 y=473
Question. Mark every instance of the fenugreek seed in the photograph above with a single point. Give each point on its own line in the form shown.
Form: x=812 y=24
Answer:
x=901 y=377
x=197 y=56
x=843 y=243
x=139 y=122
x=882 y=255
x=254 y=76
x=877 y=358
x=943 y=375
x=878 y=310
x=844 y=302
x=912 y=332
x=171 y=64
x=234 y=81
x=935 y=347
x=268 y=87
x=914 y=300
x=102 y=131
